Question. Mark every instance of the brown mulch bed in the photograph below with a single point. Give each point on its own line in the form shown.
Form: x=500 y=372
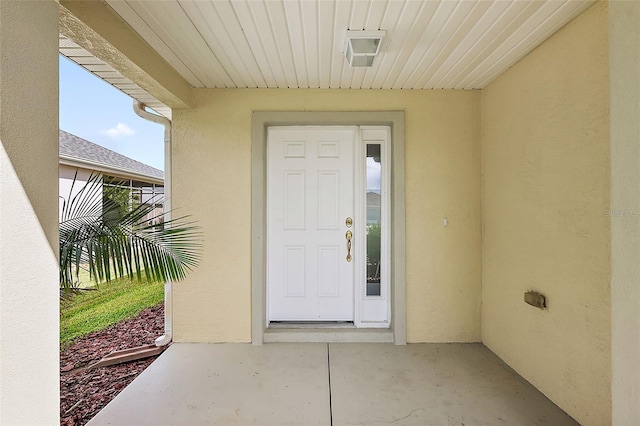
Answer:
x=83 y=393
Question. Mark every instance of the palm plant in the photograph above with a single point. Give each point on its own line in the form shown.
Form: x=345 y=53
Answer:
x=111 y=240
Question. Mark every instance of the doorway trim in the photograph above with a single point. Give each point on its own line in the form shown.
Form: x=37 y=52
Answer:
x=260 y=120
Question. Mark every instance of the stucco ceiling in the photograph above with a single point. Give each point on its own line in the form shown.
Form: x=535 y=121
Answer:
x=449 y=44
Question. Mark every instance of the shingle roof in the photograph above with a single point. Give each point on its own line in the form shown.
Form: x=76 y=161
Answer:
x=72 y=146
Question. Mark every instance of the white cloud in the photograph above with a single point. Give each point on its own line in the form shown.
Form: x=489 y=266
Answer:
x=121 y=129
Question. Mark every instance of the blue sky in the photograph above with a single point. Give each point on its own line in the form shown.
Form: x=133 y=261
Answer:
x=100 y=113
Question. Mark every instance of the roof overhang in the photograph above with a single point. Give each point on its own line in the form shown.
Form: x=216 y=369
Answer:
x=108 y=47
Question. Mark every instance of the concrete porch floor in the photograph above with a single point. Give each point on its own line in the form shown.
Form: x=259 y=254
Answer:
x=330 y=384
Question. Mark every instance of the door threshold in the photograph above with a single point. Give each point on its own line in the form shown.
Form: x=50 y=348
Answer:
x=327 y=335
x=310 y=324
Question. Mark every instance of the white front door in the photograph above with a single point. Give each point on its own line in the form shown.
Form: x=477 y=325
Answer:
x=310 y=195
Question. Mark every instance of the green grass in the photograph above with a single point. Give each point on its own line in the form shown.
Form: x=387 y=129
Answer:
x=85 y=280
x=112 y=302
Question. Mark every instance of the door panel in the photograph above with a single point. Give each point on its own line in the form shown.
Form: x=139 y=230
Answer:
x=310 y=193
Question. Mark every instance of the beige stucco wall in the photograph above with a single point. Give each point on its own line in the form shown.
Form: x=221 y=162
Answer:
x=29 y=295
x=546 y=175
x=624 y=42
x=212 y=181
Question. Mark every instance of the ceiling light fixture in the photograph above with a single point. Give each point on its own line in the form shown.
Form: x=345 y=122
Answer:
x=361 y=47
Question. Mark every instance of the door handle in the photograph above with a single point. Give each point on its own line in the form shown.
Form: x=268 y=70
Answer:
x=348 y=236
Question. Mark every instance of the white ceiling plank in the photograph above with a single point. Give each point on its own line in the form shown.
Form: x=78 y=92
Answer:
x=99 y=67
x=137 y=90
x=116 y=81
x=277 y=17
x=296 y=30
x=390 y=65
x=211 y=28
x=444 y=40
x=511 y=40
x=326 y=34
x=464 y=40
x=416 y=37
x=177 y=31
x=377 y=10
x=245 y=19
x=309 y=17
x=388 y=24
x=418 y=61
x=128 y=86
x=358 y=15
x=127 y=13
x=339 y=65
x=87 y=60
x=75 y=52
x=515 y=15
x=264 y=29
x=236 y=38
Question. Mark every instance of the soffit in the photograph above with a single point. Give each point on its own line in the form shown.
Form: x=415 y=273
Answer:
x=101 y=69
x=450 y=44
